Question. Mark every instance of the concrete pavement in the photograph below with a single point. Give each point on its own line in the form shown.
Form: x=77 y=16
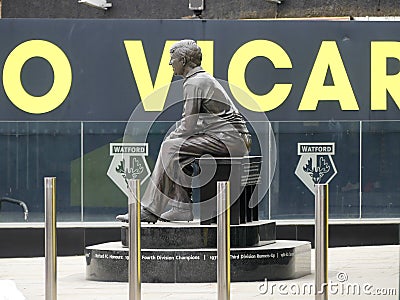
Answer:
x=367 y=273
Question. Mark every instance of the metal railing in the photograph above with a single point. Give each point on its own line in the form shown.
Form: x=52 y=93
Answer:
x=321 y=241
x=134 y=271
x=17 y=202
x=50 y=238
x=223 y=240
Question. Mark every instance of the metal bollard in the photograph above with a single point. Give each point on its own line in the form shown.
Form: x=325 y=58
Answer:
x=321 y=241
x=134 y=240
x=51 y=238
x=223 y=240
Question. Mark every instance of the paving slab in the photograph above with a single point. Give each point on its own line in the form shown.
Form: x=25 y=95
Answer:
x=361 y=273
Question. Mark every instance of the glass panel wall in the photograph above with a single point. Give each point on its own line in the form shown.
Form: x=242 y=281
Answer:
x=102 y=199
x=290 y=198
x=30 y=151
x=78 y=154
x=381 y=170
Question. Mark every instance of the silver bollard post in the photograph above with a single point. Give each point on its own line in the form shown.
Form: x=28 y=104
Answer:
x=51 y=238
x=223 y=240
x=134 y=240
x=321 y=241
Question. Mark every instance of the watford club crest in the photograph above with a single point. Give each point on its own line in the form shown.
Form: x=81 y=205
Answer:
x=315 y=165
x=129 y=162
x=132 y=172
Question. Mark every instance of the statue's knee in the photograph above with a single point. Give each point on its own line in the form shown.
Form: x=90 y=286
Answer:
x=166 y=146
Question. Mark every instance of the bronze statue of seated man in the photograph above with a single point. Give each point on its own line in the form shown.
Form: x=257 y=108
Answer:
x=210 y=124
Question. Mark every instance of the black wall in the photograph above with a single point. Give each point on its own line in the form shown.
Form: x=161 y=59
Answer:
x=223 y=9
x=29 y=242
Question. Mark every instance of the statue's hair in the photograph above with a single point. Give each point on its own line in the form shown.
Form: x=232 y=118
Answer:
x=189 y=50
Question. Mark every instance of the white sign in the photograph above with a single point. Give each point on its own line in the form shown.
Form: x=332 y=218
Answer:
x=128 y=162
x=316 y=165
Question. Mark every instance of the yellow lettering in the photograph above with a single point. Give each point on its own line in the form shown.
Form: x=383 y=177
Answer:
x=141 y=73
x=380 y=81
x=154 y=96
x=315 y=91
x=12 y=76
x=237 y=78
x=207 y=49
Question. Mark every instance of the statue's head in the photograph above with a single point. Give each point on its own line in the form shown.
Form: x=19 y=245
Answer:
x=185 y=54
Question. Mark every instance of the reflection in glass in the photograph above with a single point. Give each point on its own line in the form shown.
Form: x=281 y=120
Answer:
x=381 y=170
x=102 y=199
x=290 y=198
x=31 y=151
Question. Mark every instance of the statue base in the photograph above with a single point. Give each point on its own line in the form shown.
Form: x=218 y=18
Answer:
x=186 y=252
x=192 y=235
x=282 y=260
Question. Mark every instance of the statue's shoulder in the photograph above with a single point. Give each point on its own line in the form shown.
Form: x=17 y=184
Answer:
x=201 y=77
x=200 y=80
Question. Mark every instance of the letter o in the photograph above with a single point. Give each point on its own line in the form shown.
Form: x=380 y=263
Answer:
x=237 y=78
x=12 y=76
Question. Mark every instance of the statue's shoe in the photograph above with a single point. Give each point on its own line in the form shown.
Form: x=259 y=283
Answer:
x=148 y=216
x=145 y=216
x=177 y=214
x=123 y=218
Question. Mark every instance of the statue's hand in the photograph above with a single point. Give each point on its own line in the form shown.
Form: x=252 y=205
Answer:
x=171 y=136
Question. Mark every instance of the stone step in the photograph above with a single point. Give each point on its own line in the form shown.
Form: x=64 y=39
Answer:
x=282 y=260
x=192 y=235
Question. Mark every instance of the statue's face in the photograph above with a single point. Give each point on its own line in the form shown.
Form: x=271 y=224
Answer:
x=177 y=64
